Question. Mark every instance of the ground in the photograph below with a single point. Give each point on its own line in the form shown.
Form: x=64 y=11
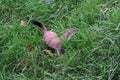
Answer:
x=93 y=53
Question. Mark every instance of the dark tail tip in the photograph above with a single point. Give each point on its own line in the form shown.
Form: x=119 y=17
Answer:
x=36 y=23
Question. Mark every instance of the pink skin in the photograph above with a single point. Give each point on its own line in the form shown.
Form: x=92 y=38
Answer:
x=69 y=33
x=53 y=41
x=51 y=38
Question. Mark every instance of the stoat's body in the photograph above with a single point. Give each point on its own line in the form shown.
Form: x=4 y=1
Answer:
x=51 y=38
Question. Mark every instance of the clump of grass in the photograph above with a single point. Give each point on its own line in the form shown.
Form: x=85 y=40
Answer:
x=92 y=53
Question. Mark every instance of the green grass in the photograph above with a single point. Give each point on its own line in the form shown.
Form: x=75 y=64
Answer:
x=93 y=53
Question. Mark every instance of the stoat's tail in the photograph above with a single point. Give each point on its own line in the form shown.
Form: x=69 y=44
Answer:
x=42 y=27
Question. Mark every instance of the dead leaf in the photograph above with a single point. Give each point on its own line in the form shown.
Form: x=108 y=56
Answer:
x=29 y=46
x=48 y=52
x=22 y=23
